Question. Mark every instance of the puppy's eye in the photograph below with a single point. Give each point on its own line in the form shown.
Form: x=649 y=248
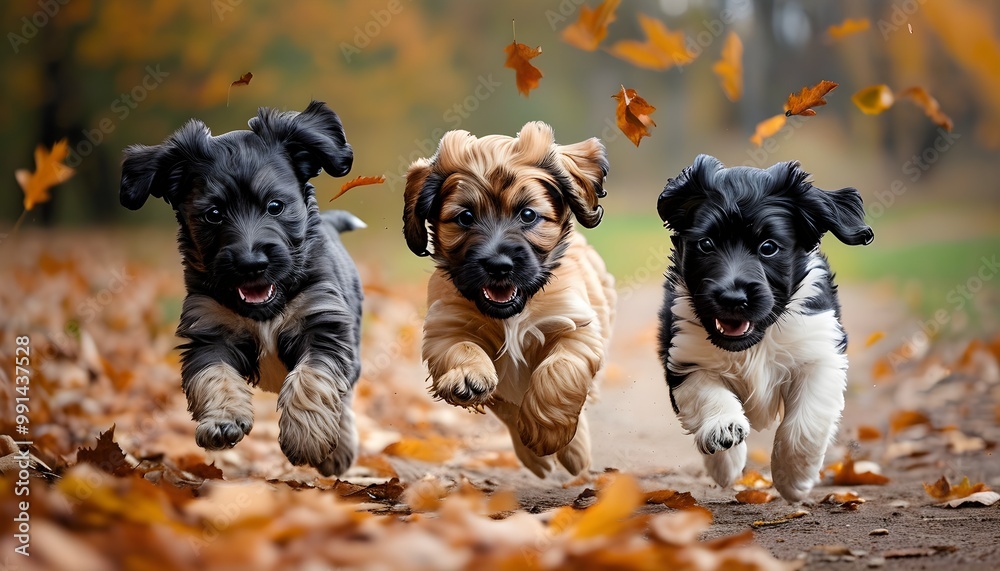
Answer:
x=275 y=207
x=213 y=216
x=706 y=245
x=768 y=248
x=466 y=219
x=528 y=216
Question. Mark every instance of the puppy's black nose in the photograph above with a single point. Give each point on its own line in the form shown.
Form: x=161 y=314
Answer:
x=732 y=299
x=498 y=266
x=249 y=263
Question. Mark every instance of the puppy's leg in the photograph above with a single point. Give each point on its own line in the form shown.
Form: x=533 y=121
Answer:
x=559 y=386
x=575 y=457
x=343 y=456
x=219 y=399
x=710 y=411
x=311 y=407
x=814 y=401
x=461 y=373
x=508 y=413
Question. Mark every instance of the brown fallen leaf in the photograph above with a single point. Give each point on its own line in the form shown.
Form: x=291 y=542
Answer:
x=107 y=455
x=753 y=480
x=377 y=463
x=671 y=499
x=386 y=492
x=359 y=181
x=614 y=504
x=526 y=75
x=768 y=128
x=199 y=468
x=633 y=115
x=903 y=419
x=841 y=497
x=49 y=171
x=591 y=27
x=781 y=520
x=917 y=551
x=802 y=103
x=931 y=108
x=729 y=68
x=432 y=449
x=661 y=50
x=845 y=475
x=848 y=27
x=943 y=491
x=753 y=497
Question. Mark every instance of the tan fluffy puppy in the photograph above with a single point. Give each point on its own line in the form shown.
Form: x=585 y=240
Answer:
x=520 y=306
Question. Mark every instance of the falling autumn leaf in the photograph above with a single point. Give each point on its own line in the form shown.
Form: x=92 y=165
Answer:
x=767 y=128
x=848 y=27
x=874 y=338
x=592 y=26
x=753 y=497
x=359 y=181
x=801 y=103
x=107 y=455
x=874 y=99
x=633 y=115
x=931 y=108
x=49 y=171
x=518 y=59
x=242 y=81
x=729 y=68
x=661 y=50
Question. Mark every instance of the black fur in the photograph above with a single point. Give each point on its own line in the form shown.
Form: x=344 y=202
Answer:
x=255 y=246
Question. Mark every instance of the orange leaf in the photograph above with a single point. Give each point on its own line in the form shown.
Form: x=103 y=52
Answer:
x=874 y=338
x=592 y=26
x=671 y=499
x=49 y=171
x=527 y=75
x=841 y=498
x=801 y=103
x=767 y=128
x=633 y=115
x=753 y=497
x=614 y=504
x=107 y=455
x=359 y=181
x=874 y=99
x=930 y=106
x=730 y=67
x=848 y=27
x=903 y=419
x=844 y=475
x=243 y=80
x=662 y=49
x=942 y=490
x=753 y=480
x=868 y=433
x=434 y=449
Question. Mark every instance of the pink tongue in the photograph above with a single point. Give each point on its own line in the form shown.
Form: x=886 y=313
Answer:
x=732 y=328
x=500 y=294
x=258 y=294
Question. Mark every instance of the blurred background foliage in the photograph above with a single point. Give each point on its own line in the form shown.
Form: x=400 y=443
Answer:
x=400 y=73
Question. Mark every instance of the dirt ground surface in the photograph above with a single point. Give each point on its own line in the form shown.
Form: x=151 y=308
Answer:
x=117 y=366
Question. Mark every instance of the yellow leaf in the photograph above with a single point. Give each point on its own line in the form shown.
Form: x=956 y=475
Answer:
x=874 y=99
x=49 y=171
x=434 y=449
x=753 y=480
x=592 y=25
x=614 y=504
x=848 y=27
x=768 y=128
x=661 y=50
x=730 y=67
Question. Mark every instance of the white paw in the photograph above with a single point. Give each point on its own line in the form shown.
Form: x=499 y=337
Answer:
x=725 y=466
x=721 y=433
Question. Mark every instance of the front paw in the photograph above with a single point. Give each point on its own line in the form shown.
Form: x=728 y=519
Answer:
x=466 y=386
x=308 y=437
x=221 y=433
x=721 y=434
x=543 y=436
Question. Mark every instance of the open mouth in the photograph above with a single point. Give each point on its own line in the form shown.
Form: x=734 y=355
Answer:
x=257 y=294
x=733 y=327
x=500 y=294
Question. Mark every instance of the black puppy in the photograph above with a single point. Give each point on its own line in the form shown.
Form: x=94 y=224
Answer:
x=750 y=326
x=273 y=299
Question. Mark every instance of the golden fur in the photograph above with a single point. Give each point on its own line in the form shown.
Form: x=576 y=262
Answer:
x=535 y=369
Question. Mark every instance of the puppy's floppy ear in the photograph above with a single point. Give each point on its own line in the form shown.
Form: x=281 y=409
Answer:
x=418 y=198
x=586 y=163
x=160 y=170
x=314 y=139
x=839 y=211
x=683 y=193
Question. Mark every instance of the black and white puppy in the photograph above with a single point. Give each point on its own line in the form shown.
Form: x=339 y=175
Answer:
x=750 y=326
x=273 y=299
